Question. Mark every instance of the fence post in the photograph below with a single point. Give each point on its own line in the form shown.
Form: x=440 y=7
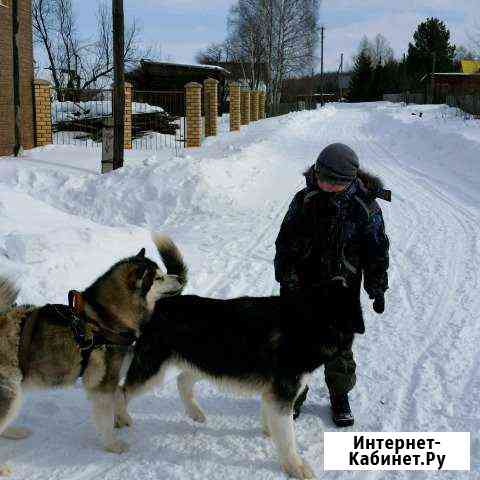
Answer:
x=211 y=106
x=235 y=111
x=245 y=99
x=254 y=104
x=261 y=104
x=194 y=114
x=43 y=113
x=127 y=141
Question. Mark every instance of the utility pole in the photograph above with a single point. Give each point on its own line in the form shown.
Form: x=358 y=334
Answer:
x=405 y=91
x=321 y=69
x=118 y=82
x=340 y=79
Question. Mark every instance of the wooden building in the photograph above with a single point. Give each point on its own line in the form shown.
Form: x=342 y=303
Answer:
x=440 y=85
x=163 y=76
x=16 y=63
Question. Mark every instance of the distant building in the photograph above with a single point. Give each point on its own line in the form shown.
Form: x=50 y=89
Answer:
x=470 y=66
x=26 y=138
x=440 y=85
x=165 y=76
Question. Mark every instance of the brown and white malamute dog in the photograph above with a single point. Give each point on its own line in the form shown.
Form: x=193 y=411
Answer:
x=265 y=345
x=52 y=346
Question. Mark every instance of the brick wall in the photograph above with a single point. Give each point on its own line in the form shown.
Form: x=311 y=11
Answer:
x=25 y=46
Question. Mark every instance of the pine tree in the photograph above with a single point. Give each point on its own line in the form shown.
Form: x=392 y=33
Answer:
x=431 y=49
x=362 y=77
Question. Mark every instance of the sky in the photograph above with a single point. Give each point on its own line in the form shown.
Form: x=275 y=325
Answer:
x=181 y=27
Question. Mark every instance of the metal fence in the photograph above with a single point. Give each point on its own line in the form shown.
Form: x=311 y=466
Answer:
x=158 y=120
x=469 y=104
x=78 y=116
x=406 y=97
x=288 y=107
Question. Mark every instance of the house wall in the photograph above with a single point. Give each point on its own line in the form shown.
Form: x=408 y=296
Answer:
x=453 y=84
x=25 y=47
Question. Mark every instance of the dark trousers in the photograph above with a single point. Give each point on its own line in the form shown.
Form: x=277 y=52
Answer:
x=340 y=372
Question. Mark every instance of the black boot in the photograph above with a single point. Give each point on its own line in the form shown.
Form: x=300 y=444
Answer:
x=297 y=408
x=341 y=413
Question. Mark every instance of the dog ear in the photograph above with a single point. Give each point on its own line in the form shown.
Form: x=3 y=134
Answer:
x=136 y=275
x=141 y=254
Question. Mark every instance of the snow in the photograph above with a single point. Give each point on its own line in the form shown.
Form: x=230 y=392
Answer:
x=194 y=65
x=69 y=111
x=63 y=224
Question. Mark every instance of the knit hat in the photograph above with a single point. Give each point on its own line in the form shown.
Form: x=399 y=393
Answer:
x=337 y=164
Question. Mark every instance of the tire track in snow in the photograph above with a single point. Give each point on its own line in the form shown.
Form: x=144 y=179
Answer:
x=248 y=253
x=429 y=365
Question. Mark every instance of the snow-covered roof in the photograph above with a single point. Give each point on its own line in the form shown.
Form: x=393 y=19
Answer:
x=188 y=65
x=450 y=74
x=458 y=74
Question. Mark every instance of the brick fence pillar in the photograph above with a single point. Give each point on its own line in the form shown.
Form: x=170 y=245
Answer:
x=261 y=104
x=211 y=106
x=245 y=106
x=235 y=110
x=194 y=114
x=254 y=98
x=127 y=142
x=43 y=113
x=205 y=110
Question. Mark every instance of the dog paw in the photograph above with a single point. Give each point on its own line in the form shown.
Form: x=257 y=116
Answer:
x=123 y=420
x=196 y=415
x=117 y=446
x=16 y=433
x=299 y=469
x=5 y=471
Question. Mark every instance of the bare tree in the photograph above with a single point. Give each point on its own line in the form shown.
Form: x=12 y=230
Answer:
x=97 y=64
x=291 y=39
x=378 y=50
x=213 y=54
x=46 y=27
x=245 y=44
x=464 y=53
x=273 y=40
x=75 y=62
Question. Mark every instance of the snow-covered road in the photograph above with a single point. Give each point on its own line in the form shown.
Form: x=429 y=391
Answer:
x=61 y=225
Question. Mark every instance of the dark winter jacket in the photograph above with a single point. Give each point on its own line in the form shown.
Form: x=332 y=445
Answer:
x=326 y=235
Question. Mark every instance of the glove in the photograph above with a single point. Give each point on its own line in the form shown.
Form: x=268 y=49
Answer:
x=379 y=303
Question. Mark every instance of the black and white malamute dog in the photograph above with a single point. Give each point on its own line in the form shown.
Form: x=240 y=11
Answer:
x=52 y=346
x=260 y=345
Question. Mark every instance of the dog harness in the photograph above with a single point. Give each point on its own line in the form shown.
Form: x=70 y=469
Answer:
x=72 y=316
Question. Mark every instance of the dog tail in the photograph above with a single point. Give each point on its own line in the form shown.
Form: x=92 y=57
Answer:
x=8 y=293
x=171 y=257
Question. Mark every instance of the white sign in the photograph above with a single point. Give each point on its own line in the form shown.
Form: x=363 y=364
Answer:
x=396 y=451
